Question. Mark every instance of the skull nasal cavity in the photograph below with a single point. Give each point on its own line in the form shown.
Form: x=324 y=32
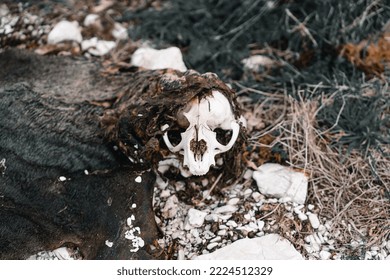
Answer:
x=198 y=147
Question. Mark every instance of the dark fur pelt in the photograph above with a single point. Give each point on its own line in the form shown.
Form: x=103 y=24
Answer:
x=49 y=129
x=64 y=117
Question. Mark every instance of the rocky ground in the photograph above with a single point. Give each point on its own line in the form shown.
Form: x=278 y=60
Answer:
x=303 y=103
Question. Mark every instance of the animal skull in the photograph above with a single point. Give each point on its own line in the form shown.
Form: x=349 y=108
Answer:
x=199 y=143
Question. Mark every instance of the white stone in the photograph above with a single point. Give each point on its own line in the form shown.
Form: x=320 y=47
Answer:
x=280 y=181
x=231 y=223
x=321 y=229
x=194 y=232
x=97 y=47
x=212 y=246
x=254 y=62
x=212 y=218
x=298 y=209
x=314 y=221
x=260 y=225
x=62 y=178
x=109 y=243
x=195 y=218
x=226 y=209
x=90 y=19
x=159 y=59
x=268 y=247
x=247 y=217
x=216 y=239
x=257 y=196
x=138 y=179
x=129 y=221
x=302 y=216
x=233 y=201
x=171 y=206
x=248 y=192
x=164 y=165
x=65 y=31
x=246 y=228
x=119 y=32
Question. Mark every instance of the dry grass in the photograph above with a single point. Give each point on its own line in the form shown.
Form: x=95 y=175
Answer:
x=352 y=192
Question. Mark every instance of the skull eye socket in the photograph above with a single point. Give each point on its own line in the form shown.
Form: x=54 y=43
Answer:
x=174 y=135
x=223 y=136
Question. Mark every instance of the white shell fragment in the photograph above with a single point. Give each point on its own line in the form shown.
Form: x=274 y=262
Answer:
x=281 y=182
x=268 y=247
x=109 y=243
x=159 y=59
x=65 y=31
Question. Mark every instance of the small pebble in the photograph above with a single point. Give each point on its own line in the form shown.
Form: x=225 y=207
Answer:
x=133 y=205
x=260 y=225
x=212 y=218
x=216 y=239
x=302 y=216
x=62 y=178
x=221 y=232
x=298 y=209
x=248 y=192
x=138 y=179
x=195 y=218
x=109 y=243
x=212 y=246
x=233 y=201
x=231 y=223
x=257 y=196
x=314 y=221
x=226 y=209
